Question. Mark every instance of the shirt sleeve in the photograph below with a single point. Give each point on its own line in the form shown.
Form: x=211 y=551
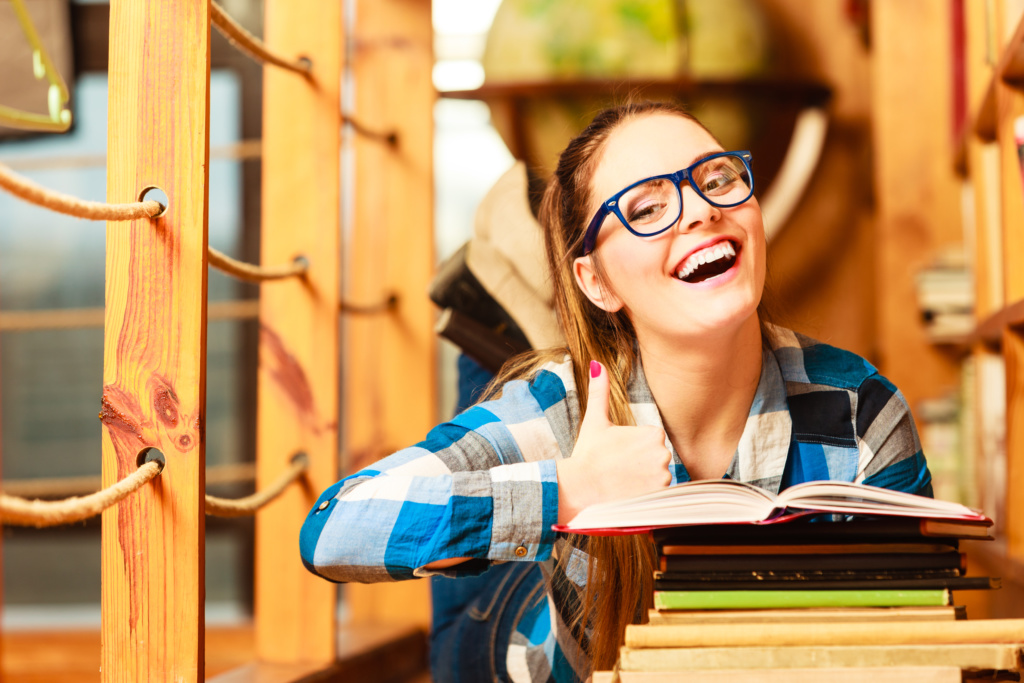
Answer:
x=889 y=446
x=483 y=486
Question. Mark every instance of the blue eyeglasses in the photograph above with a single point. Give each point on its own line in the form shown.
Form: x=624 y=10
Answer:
x=653 y=205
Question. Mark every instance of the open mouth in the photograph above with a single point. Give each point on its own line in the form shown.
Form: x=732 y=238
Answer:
x=709 y=262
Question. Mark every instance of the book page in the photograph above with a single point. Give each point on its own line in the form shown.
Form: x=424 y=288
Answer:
x=840 y=496
x=698 y=502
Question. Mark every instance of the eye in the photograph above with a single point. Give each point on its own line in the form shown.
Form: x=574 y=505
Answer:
x=721 y=175
x=645 y=210
x=648 y=202
x=717 y=181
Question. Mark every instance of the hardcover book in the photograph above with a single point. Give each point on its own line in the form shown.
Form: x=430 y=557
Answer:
x=791 y=599
x=726 y=501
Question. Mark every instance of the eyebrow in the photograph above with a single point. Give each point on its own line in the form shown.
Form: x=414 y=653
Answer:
x=703 y=156
x=697 y=159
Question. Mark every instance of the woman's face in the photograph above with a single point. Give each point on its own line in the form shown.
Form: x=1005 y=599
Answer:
x=654 y=278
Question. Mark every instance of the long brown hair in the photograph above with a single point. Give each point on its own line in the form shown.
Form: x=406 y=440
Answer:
x=620 y=573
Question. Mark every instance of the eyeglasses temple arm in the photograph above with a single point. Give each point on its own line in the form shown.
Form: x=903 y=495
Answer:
x=590 y=236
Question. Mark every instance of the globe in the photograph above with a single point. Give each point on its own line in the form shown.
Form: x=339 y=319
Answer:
x=612 y=45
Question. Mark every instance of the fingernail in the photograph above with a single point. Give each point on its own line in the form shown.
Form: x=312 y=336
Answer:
x=595 y=369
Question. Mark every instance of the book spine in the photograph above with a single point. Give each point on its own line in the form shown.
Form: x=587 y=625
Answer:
x=979 y=657
x=803 y=635
x=877 y=561
x=800 y=576
x=960 y=583
x=810 y=549
x=895 y=530
x=901 y=674
x=761 y=599
x=806 y=616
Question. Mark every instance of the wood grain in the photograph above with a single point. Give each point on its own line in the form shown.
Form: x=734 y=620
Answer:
x=987 y=656
x=369 y=655
x=897 y=674
x=297 y=385
x=1010 y=103
x=390 y=387
x=155 y=341
x=917 y=191
x=982 y=167
x=1013 y=525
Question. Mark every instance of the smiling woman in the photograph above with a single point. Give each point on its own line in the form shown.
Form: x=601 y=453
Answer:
x=656 y=248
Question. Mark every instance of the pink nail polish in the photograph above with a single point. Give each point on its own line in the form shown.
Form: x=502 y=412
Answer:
x=595 y=369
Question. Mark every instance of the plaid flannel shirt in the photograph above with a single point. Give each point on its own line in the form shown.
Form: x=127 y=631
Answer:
x=484 y=484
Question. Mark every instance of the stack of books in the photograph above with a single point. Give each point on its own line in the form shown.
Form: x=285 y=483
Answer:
x=945 y=295
x=831 y=576
x=898 y=562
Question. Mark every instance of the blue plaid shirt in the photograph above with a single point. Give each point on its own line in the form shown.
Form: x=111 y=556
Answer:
x=484 y=485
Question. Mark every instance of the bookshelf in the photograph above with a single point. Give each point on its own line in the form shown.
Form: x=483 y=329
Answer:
x=993 y=56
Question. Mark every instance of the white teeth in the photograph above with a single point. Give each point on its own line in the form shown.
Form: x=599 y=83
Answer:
x=713 y=253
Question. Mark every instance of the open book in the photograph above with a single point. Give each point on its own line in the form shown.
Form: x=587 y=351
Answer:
x=725 y=501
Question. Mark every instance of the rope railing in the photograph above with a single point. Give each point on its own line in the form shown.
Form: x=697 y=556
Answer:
x=91 y=318
x=29 y=191
x=18 y=511
x=50 y=488
x=242 y=507
x=390 y=303
x=38 y=513
x=253 y=46
x=253 y=273
x=390 y=137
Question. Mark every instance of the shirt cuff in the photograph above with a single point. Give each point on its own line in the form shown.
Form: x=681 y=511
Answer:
x=525 y=499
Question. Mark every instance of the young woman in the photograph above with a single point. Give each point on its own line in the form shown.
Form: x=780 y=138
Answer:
x=656 y=245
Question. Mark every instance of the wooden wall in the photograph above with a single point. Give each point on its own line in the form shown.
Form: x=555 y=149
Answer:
x=887 y=199
x=821 y=270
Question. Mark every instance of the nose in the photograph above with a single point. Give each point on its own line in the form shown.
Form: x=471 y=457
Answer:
x=697 y=211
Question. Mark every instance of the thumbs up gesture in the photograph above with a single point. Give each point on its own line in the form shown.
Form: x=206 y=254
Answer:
x=609 y=462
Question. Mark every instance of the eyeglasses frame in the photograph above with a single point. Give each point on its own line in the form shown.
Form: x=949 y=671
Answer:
x=611 y=205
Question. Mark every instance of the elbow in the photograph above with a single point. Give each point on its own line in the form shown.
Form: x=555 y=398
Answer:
x=313 y=526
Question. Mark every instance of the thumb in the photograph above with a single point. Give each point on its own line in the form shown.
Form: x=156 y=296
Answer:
x=596 y=416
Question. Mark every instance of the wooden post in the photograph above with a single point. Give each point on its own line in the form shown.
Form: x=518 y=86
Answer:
x=297 y=403
x=1009 y=107
x=918 y=194
x=390 y=360
x=155 y=340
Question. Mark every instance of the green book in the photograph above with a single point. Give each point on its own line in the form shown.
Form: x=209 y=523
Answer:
x=781 y=599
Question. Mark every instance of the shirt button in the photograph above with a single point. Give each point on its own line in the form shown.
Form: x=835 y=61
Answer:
x=324 y=505
x=521 y=551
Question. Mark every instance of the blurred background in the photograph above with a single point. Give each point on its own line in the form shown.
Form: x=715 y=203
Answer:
x=873 y=163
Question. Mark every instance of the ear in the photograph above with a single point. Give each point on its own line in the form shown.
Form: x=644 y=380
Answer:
x=590 y=284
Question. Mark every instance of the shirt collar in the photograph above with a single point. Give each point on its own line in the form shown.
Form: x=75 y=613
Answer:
x=763 y=448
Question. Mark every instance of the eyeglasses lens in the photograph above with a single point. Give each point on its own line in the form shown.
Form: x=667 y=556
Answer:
x=724 y=180
x=653 y=206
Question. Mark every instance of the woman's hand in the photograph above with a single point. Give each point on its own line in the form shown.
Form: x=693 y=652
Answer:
x=609 y=462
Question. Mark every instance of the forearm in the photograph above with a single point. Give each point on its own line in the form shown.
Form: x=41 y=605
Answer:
x=393 y=527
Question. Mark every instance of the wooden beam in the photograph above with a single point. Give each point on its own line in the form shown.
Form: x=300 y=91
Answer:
x=1013 y=525
x=91 y=42
x=391 y=385
x=1010 y=108
x=155 y=341
x=297 y=385
x=917 y=190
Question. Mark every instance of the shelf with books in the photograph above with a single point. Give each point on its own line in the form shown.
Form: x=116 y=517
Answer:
x=1010 y=71
x=990 y=330
x=994 y=352
x=1011 y=63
